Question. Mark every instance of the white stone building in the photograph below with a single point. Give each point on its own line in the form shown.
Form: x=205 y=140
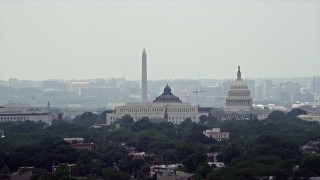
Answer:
x=166 y=107
x=216 y=134
x=239 y=102
x=23 y=112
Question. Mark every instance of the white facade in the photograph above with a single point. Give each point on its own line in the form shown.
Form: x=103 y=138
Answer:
x=239 y=102
x=310 y=117
x=216 y=134
x=239 y=98
x=166 y=107
x=22 y=112
x=176 y=112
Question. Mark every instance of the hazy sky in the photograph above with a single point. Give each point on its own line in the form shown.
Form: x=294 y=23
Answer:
x=89 y=39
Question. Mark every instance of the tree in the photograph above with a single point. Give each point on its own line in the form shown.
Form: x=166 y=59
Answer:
x=126 y=121
x=86 y=120
x=111 y=174
x=296 y=112
x=277 y=115
x=312 y=163
x=169 y=157
x=62 y=172
x=193 y=161
x=199 y=137
x=202 y=171
x=203 y=119
x=143 y=124
x=4 y=172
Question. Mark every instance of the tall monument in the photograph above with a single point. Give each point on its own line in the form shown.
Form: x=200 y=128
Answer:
x=144 y=83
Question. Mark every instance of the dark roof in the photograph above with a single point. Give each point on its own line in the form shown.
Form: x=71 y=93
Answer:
x=167 y=96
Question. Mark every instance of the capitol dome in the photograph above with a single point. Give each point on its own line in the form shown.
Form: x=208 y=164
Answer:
x=239 y=98
x=239 y=83
x=239 y=88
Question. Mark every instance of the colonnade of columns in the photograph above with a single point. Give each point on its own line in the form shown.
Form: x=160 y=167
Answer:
x=239 y=103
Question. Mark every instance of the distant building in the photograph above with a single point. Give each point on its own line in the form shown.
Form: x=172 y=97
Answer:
x=78 y=143
x=261 y=113
x=76 y=86
x=258 y=93
x=316 y=84
x=168 y=172
x=213 y=160
x=251 y=86
x=217 y=113
x=166 y=107
x=316 y=87
x=267 y=89
x=13 y=82
x=24 y=112
x=276 y=92
x=225 y=88
x=216 y=134
x=310 y=117
x=71 y=167
x=99 y=91
x=239 y=102
x=312 y=147
x=289 y=92
x=23 y=173
x=55 y=85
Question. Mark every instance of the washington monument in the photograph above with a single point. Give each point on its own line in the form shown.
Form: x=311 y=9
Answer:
x=144 y=83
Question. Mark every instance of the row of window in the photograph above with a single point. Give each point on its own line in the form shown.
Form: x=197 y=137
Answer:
x=238 y=103
x=182 y=110
x=176 y=122
x=238 y=94
x=181 y=118
x=170 y=118
x=219 y=136
x=145 y=110
x=141 y=110
x=3 y=119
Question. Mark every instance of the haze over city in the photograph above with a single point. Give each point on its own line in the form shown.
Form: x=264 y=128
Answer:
x=159 y=89
x=183 y=39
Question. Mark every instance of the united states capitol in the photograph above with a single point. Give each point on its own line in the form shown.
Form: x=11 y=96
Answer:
x=172 y=100
x=168 y=107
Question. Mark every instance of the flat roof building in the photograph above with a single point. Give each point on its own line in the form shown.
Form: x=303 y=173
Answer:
x=166 y=107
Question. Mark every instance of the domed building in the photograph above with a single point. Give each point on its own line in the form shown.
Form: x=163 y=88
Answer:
x=167 y=96
x=239 y=101
x=166 y=107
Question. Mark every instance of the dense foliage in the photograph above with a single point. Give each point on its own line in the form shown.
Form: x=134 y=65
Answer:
x=256 y=148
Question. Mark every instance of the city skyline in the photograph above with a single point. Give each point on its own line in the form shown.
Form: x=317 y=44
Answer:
x=185 y=40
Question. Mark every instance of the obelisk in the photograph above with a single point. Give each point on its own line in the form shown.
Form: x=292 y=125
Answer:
x=144 y=80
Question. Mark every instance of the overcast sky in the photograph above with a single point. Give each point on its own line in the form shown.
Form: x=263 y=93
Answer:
x=183 y=39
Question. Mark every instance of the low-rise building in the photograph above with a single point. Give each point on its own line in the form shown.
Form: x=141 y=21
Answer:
x=24 y=112
x=78 y=143
x=310 y=117
x=166 y=107
x=71 y=167
x=213 y=160
x=168 y=172
x=216 y=134
x=22 y=173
